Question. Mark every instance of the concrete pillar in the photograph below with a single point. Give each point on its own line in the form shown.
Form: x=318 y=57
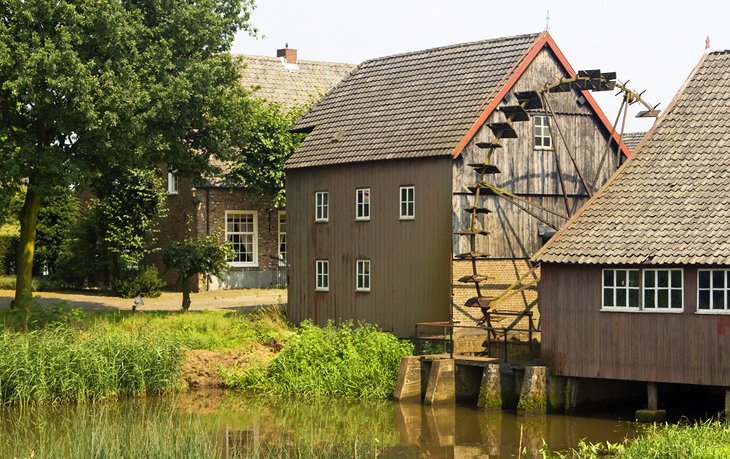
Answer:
x=571 y=395
x=441 y=387
x=727 y=403
x=652 y=413
x=556 y=388
x=533 y=396
x=490 y=391
x=408 y=384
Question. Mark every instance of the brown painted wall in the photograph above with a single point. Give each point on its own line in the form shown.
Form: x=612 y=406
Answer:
x=409 y=259
x=580 y=340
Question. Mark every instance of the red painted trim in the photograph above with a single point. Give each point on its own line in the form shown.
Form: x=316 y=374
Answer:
x=542 y=40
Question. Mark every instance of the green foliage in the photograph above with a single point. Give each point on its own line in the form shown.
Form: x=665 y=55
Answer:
x=139 y=281
x=708 y=439
x=56 y=218
x=8 y=253
x=61 y=364
x=340 y=360
x=268 y=144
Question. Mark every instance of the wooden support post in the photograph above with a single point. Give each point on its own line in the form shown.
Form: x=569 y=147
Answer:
x=652 y=396
x=652 y=413
x=727 y=403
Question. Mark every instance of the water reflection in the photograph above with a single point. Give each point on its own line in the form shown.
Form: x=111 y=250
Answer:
x=271 y=427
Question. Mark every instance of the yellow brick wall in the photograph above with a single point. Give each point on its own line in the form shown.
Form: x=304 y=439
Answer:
x=501 y=274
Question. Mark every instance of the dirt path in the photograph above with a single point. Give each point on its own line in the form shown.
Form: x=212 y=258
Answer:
x=168 y=301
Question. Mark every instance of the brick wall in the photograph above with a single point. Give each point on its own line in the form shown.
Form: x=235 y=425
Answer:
x=501 y=274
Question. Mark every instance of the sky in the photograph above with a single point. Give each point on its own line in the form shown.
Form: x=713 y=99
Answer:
x=652 y=44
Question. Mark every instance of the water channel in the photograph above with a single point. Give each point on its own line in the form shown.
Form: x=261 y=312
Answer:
x=248 y=426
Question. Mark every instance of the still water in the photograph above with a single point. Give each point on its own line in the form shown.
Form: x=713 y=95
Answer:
x=248 y=426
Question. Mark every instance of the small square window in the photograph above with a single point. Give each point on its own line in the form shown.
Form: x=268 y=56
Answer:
x=362 y=280
x=322 y=280
x=362 y=204
x=407 y=202
x=321 y=206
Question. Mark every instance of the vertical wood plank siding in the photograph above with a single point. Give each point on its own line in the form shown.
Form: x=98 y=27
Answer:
x=410 y=265
x=579 y=340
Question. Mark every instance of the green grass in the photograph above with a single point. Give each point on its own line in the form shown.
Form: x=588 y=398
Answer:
x=708 y=439
x=347 y=361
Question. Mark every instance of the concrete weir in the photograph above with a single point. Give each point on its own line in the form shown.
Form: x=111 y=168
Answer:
x=486 y=382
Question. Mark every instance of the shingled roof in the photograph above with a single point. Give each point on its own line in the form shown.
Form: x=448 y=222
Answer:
x=670 y=203
x=632 y=139
x=408 y=105
x=291 y=84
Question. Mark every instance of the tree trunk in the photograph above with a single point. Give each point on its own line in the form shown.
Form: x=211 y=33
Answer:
x=26 y=249
x=186 y=294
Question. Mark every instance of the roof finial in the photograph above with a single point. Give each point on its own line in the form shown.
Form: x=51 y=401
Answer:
x=547 y=21
x=707 y=43
x=286 y=45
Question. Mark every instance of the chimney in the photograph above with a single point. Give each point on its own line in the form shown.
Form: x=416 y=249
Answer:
x=289 y=54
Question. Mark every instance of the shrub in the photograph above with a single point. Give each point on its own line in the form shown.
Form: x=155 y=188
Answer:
x=144 y=281
x=340 y=360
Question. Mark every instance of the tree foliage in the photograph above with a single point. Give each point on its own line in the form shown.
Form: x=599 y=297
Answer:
x=191 y=256
x=267 y=145
x=56 y=219
x=90 y=87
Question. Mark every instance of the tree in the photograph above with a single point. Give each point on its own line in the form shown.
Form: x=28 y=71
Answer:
x=88 y=87
x=56 y=219
x=267 y=145
x=193 y=256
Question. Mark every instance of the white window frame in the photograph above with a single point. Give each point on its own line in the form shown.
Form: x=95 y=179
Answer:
x=321 y=206
x=322 y=275
x=361 y=196
x=540 y=132
x=642 y=289
x=255 y=259
x=656 y=290
x=407 y=204
x=363 y=278
x=172 y=183
x=711 y=289
x=281 y=240
x=615 y=288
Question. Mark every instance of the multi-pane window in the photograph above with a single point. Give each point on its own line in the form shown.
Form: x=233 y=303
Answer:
x=321 y=206
x=621 y=288
x=362 y=204
x=282 y=238
x=713 y=290
x=662 y=289
x=541 y=131
x=171 y=183
x=322 y=280
x=241 y=229
x=362 y=277
x=407 y=202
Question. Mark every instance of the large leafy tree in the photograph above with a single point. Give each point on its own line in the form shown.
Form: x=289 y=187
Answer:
x=88 y=87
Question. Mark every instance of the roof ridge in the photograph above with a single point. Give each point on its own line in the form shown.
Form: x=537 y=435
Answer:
x=447 y=47
x=274 y=58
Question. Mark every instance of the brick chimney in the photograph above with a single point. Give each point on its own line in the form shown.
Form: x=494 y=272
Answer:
x=289 y=54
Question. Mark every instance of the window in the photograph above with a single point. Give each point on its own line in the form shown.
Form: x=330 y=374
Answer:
x=646 y=290
x=713 y=290
x=362 y=204
x=322 y=281
x=407 y=202
x=171 y=183
x=662 y=289
x=282 y=238
x=363 y=276
x=241 y=232
x=543 y=141
x=620 y=288
x=321 y=206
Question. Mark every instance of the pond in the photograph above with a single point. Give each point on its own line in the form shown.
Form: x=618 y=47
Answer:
x=239 y=426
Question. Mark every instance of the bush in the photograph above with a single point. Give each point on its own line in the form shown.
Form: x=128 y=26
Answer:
x=343 y=360
x=144 y=281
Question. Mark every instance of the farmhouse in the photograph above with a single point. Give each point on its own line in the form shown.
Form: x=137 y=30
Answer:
x=428 y=180
x=255 y=227
x=637 y=285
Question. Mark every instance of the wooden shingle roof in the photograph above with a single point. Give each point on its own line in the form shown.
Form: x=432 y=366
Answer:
x=291 y=84
x=632 y=139
x=670 y=203
x=408 y=105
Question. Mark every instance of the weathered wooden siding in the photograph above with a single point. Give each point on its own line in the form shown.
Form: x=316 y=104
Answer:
x=410 y=260
x=532 y=173
x=579 y=340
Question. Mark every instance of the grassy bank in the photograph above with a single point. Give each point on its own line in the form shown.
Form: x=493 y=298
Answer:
x=343 y=360
x=709 y=439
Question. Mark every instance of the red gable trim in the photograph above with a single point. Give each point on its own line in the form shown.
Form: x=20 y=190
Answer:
x=542 y=40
